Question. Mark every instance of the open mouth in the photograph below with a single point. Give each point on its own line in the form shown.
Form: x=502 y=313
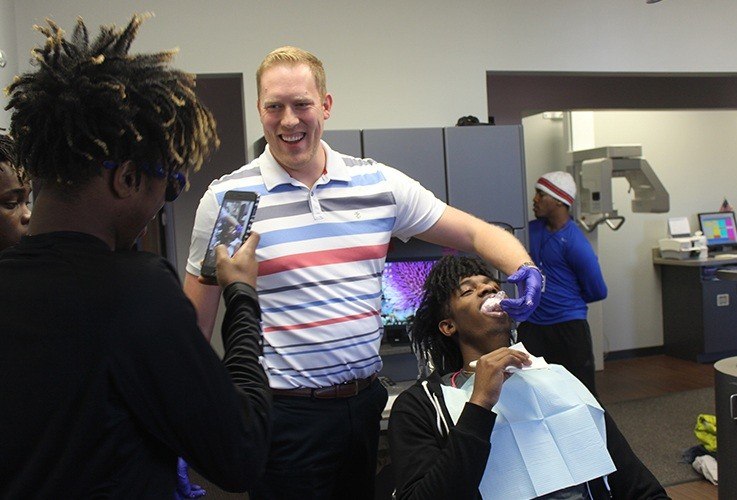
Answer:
x=492 y=306
x=292 y=138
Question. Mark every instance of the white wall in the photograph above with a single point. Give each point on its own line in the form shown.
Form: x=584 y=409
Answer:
x=545 y=150
x=423 y=63
x=694 y=155
x=416 y=63
x=8 y=45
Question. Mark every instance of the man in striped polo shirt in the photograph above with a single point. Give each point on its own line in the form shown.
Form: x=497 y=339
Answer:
x=325 y=221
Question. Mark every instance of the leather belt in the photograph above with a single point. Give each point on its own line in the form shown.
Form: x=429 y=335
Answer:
x=344 y=390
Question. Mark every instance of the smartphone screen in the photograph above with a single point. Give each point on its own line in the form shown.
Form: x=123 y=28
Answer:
x=231 y=226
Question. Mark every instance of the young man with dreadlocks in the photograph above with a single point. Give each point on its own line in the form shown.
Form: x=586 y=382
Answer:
x=15 y=190
x=107 y=378
x=433 y=458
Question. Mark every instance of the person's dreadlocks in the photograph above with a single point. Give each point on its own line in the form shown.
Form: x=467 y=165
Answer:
x=7 y=156
x=442 y=281
x=90 y=101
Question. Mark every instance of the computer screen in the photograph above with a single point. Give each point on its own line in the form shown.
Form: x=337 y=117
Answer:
x=401 y=292
x=719 y=228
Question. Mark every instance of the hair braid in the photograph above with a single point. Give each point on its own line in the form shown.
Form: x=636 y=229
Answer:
x=91 y=100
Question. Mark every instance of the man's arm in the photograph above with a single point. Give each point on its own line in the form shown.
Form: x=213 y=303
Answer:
x=585 y=265
x=425 y=469
x=462 y=231
x=205 y=299
x=176 y=387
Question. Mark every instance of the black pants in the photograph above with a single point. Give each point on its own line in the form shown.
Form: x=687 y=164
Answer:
x=324 y=448
x=567 y=344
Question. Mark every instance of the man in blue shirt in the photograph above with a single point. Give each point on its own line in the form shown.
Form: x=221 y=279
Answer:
x=558 y=329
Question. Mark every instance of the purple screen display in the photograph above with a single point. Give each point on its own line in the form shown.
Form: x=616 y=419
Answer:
x=401 y=287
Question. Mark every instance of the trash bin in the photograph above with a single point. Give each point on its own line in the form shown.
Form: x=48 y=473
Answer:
x=725 y=386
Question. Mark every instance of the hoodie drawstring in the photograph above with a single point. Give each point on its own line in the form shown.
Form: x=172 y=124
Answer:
x=439 y=417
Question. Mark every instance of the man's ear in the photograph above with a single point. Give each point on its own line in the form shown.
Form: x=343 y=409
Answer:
x=327 y=105
x=447 y=327
x=124 y=179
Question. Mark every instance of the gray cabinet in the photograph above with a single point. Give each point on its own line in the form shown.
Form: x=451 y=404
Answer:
x=699 y=312
x=719 y=300
x=485 y=170
x=344 y=141
x=479 y=170
x=417 y=152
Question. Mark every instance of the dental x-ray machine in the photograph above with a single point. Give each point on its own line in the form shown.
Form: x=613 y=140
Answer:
x=593 y=170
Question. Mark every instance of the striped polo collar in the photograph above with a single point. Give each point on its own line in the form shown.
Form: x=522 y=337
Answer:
x=274 y=175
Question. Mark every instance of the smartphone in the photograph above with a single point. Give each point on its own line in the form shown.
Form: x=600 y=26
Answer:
x=231 y=227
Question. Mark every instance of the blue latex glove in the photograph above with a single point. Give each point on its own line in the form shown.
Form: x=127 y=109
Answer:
x=184 y=488
x=529 y=282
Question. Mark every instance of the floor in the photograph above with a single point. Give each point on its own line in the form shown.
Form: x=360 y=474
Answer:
x=651 y=376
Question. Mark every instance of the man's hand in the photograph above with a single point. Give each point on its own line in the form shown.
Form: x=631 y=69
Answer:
x=184 y=488
x=490 y=374
x=529 y=282
x=242 y=267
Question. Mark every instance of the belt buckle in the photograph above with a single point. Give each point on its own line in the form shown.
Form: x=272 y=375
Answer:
x=342 y=390
x=330 y=392
x=347 y=389
x=356 y=388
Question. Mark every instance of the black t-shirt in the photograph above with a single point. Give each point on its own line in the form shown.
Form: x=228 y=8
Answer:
x=106 y=378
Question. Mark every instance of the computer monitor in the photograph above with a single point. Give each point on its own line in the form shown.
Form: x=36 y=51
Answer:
x=719 y=228
x=401 y=292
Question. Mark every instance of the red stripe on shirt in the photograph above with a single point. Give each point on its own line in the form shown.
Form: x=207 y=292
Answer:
x=321 y=258
x=324 y=322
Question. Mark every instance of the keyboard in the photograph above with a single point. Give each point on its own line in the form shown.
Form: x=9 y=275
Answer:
x=725 y=256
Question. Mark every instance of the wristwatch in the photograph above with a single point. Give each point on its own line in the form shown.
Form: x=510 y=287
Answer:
x=527 y=264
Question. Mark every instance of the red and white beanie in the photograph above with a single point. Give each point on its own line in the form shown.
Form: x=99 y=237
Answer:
x=559 y=185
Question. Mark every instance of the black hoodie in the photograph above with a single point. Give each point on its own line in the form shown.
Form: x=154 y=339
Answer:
x=433 y=458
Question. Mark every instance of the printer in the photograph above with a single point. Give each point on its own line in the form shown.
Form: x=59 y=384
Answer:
x=685 y=247
x=681 y=245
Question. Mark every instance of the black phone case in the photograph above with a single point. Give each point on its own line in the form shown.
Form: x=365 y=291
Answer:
x=209 y=272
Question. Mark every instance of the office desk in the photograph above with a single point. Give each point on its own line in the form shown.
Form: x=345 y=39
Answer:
x=699 y=308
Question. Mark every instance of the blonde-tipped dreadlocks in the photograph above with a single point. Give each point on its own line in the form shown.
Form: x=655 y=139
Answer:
x=91 y=100
x=444 y=279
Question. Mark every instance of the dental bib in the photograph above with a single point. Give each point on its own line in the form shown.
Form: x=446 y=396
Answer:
x=549 y=434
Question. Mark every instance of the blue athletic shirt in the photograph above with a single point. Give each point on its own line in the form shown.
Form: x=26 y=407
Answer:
x=572 y=274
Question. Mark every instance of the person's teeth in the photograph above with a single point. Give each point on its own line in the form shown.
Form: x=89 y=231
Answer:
x=292 y=138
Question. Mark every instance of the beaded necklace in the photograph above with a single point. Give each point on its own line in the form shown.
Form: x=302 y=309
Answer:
x=455 y=376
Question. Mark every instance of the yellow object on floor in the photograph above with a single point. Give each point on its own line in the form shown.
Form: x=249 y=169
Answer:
x=706 y=431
